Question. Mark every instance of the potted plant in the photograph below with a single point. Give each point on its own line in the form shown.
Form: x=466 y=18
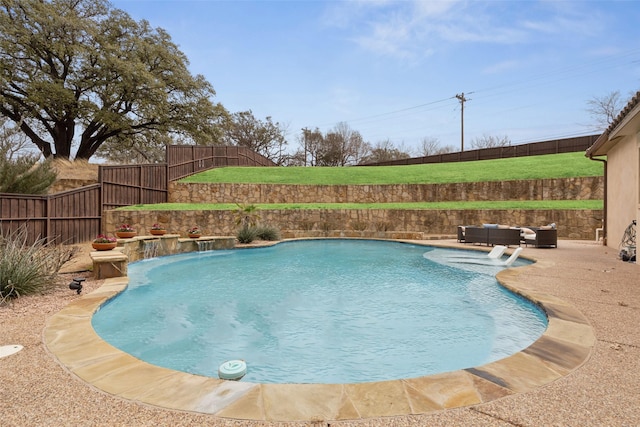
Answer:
x=125 y=231
x=194 y=232
x=104 y=243
x=158 y=230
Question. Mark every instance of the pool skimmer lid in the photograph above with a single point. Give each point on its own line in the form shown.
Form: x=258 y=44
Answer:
x=232 y=370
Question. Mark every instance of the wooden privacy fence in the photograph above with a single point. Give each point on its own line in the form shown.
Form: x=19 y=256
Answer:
x=126 y=185
x=185 y=160
x=72 y=216
x=75 y=216
x=556 y=146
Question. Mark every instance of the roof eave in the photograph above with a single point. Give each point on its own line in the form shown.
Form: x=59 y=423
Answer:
x=595 y=149
x=628 y=124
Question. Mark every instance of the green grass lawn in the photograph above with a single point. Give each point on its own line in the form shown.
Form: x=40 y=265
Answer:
x=533 y=167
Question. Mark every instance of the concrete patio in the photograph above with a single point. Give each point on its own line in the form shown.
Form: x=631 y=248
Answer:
x=36 y=390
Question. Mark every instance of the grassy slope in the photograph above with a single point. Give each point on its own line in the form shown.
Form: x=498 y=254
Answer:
x=534 y=167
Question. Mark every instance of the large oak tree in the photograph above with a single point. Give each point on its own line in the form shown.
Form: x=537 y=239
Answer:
x=77 y=73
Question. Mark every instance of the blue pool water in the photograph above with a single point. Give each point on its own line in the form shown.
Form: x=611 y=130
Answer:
x=319 y=311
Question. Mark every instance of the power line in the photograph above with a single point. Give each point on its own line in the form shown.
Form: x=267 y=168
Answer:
x=392 y=112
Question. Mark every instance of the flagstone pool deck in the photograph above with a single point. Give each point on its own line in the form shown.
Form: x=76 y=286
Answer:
x=584 y=370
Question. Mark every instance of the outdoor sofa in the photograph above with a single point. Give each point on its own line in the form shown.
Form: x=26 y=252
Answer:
x=494 y=234
x=489 y=235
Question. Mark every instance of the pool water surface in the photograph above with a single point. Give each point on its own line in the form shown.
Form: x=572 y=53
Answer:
x=320 y=311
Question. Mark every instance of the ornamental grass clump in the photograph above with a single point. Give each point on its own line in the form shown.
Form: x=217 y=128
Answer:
x=267 y=232
x=246 y=234
x=28 y=268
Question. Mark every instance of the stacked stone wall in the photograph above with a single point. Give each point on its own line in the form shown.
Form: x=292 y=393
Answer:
x=389 y=223
x=584 y=188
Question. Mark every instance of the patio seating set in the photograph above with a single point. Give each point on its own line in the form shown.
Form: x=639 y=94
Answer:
x=495 y=234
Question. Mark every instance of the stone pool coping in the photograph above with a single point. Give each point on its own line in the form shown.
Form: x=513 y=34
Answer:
x=566 y=344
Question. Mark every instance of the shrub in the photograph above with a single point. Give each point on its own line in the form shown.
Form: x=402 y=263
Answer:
x=266 y=232
x=246 y=234
x=24 y=174
x=29 y=268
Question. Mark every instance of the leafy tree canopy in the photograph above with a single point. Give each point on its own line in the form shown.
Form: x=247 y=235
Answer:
x=263 y=137
x=70 y=66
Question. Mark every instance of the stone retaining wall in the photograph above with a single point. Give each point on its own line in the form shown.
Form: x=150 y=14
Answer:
x=585 y=188
x=391 y=223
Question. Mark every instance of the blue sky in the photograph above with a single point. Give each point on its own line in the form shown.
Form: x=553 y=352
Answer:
x=391 y=69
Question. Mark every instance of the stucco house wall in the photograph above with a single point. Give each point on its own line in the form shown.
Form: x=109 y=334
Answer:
x=619 y=145
x=622 y=182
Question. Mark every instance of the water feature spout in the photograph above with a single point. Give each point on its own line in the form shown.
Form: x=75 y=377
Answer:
x=151 y=248
x=205 y=245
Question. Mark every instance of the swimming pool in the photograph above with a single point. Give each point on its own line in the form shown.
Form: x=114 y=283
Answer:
x=323 y=311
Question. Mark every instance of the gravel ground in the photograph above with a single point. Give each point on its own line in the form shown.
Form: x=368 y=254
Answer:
x=36 y=391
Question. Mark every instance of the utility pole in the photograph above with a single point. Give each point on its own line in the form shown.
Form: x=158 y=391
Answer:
x=462 y=100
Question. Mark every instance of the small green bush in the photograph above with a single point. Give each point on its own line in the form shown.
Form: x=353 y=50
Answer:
x=28 y=268
x=266 y=232
x=246 y=234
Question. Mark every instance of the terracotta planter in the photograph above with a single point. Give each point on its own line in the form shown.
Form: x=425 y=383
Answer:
x=103 y=246
x=194 y=236
x=126 y=234
x=158 y=232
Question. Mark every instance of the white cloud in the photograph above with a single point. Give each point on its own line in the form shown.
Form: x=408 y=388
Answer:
x=415 y=29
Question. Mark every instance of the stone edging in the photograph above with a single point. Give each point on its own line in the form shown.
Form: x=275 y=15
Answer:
x=565 y=345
